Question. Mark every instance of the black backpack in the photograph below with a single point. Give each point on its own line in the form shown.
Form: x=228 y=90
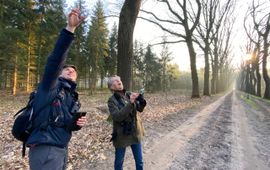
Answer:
x=22 y=126
x=23 y=123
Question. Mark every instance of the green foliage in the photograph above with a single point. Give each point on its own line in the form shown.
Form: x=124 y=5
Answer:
x=28 y=30
x=153 y=71
x=138 y=66
x=97 y=44
x=111 y=60
x=78 y=54
x=165 y=58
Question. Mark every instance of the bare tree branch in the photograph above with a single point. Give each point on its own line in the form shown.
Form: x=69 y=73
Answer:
x=159 y=19
x=167 y=42
x=163 y=28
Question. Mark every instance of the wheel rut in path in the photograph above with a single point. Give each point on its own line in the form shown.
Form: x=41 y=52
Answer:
x=161 y=155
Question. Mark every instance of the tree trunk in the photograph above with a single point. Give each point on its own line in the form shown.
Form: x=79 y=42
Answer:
x=257 y=70
x=253 y=80
x=127 y=21
x=258 y=75
x=194 y=75
x=214 y=80
x=86 y=77
x=28 y=65
x=218 y=75
x=164 y=84
x=101 y=80
x=15 y=73
x=206 y=72
x=247 y=81
x=265 y=74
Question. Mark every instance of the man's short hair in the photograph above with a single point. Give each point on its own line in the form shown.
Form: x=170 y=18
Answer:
x=111 y=80
x=70 y=65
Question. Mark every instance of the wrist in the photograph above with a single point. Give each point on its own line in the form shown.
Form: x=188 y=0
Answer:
x=70 y=29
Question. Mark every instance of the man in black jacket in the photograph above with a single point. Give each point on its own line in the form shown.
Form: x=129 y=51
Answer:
x=54 y=124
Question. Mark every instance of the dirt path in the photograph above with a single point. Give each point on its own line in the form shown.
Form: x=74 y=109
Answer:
x=227 y=134
x=245 y=140
x=163 y=152
x=233 y=132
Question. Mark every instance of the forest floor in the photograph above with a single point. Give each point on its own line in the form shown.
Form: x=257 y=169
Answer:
x=219 y=132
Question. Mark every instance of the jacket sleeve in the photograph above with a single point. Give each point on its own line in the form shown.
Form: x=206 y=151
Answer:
x=117 y=114
x=140 y=104
x=56 y=60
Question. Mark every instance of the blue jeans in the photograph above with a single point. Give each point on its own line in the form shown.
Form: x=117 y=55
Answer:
x=137 y=154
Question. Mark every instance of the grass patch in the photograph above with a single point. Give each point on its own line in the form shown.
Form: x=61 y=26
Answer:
x=261 y=99
x=255 y=97
x=249 y=101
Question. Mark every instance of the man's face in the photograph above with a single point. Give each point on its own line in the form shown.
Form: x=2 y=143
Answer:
x=69 y=73
x=117 y=84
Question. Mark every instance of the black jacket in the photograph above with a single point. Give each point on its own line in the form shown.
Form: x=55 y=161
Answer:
x=54 y=124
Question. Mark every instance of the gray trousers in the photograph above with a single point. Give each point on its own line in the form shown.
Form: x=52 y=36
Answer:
x=46 y=157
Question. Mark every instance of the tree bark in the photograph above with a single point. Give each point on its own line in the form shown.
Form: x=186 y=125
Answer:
x=15 y=73
x=28 y=65
x=194 y=75
x=214 y=80
x=264 y=70
x=258 y=76
x=206 y=72
x=127 y=21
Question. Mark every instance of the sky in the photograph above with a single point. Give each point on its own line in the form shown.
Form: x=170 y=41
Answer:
x=148 y=33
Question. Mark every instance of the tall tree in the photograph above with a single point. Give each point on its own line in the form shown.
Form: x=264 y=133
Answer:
x=11 y=32
x=258 y=31
x=17 y=38
x=50 y=20
x=152 y=71
x=26 y=38
x=165 y=58
x=139 y=66
x=111 y=60
x=78 y=55
x=221 y=45
x=255 y=50
x=221 y=52
x=184 y=15
x=127 y=21
x=97 y=43
x=210 y=15
x=261 y=21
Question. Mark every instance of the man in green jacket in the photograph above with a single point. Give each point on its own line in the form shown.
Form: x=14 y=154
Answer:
x=127 y=125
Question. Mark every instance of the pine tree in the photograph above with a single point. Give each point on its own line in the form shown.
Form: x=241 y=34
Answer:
x=78 y=55
x=152 y=71
x=51 y=19
x=164 y=60
x=97 y=44
x=138 y=69
x=111 y=61
x=11 y=32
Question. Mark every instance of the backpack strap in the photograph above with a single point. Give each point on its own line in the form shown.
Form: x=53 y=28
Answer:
x=16 y=114
x=23 y=149
x=59 y=95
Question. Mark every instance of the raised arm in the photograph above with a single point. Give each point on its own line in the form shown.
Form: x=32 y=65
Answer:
x=58 y=56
